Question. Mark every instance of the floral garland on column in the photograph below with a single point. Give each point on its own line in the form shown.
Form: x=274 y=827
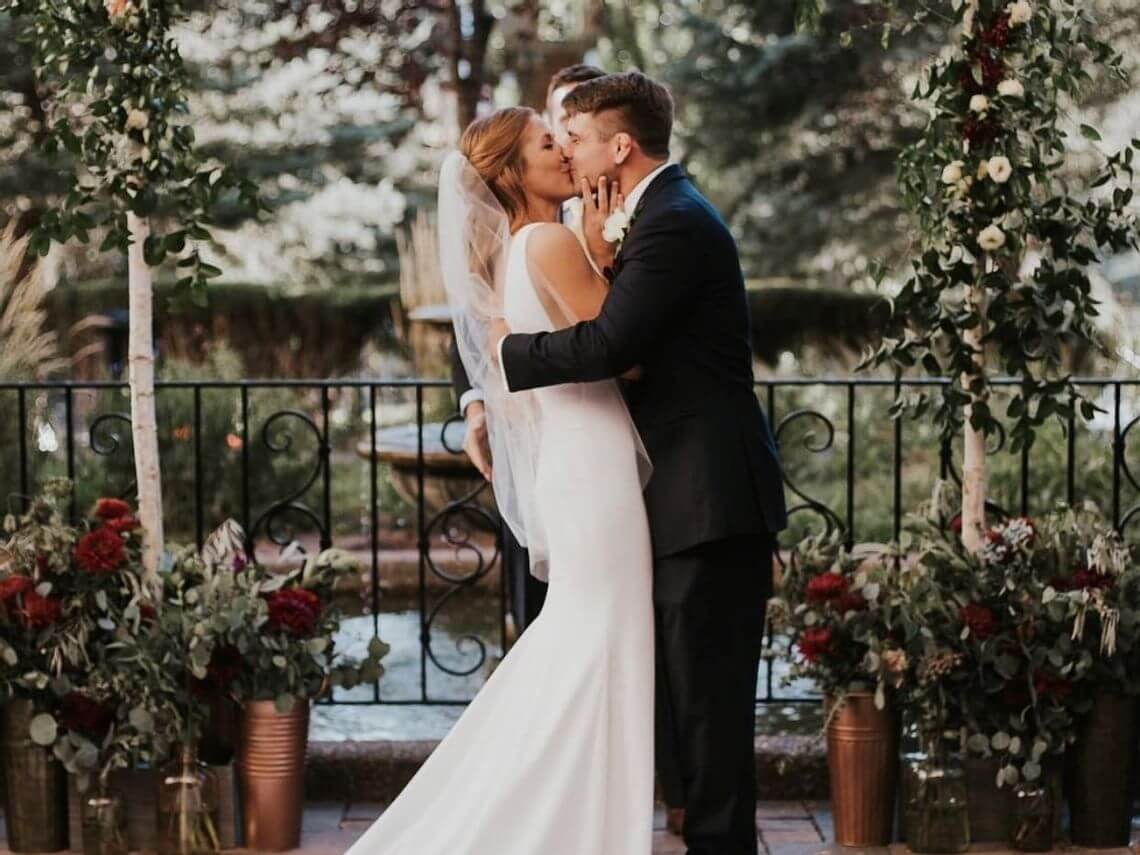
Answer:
x=985 y=180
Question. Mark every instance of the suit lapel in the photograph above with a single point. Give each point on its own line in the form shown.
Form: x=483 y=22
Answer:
x=666 y=177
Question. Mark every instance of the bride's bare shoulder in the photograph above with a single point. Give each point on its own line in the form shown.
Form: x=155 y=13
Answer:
x=555 y=244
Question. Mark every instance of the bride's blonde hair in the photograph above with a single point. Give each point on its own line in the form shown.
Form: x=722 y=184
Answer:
x=492 y=144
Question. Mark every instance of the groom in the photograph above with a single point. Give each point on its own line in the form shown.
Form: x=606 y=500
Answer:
x=677 y=308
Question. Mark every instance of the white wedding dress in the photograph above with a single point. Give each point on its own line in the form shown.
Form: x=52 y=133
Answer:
x=554 y=756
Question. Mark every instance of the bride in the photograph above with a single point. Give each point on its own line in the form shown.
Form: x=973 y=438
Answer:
x=555 y=753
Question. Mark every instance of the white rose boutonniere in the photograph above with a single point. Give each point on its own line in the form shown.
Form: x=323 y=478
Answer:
x=616 y=226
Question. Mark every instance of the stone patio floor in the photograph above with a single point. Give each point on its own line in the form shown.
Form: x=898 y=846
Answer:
x=784 y=828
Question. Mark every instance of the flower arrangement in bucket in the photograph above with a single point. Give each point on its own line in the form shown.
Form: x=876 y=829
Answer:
x=1006 y=645
x=73 y=605
x=840 y=609
x=266 y=638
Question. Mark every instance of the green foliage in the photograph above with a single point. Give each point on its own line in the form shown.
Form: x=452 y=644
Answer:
x=985 y=182
x=117 y=105
x=277 y=628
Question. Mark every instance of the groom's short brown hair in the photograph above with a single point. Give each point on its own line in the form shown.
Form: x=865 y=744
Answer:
x=641 y=107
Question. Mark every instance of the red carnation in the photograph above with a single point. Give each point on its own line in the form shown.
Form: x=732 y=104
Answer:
x=15 y=585
x=100 y=551
x=979 y=619
x=295 y=610
x=109 y=509
x=956 y=524
x=86 y=716
x=147 y=613
x=814 y=642
x=825 y=587
x=119 y=525
x=38 y=611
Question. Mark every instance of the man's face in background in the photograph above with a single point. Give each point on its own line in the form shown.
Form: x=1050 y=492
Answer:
x=556 y=113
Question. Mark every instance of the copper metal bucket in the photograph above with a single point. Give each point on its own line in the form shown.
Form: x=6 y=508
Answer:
x=271 y=768
x=862 y=765
x=36 y=804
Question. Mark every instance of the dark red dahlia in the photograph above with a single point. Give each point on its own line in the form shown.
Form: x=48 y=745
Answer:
x=119 y=525
x=39 y=612
x=825 y=587
x=225 y=666
x=86 y=716
x=109 y=509
x=988 y=67
x=1085 y=579
x=15 y=585
x=295 y=610
x=100 y=551
x=1048 y=686
x=814 y=643
x=852 y=601
x=997 y=35
x=980 y=132
x=979 y=619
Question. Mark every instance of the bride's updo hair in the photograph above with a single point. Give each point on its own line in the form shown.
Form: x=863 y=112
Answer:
x=493 y=145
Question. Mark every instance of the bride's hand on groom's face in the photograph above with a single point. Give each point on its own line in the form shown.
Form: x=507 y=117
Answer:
x=595 y=210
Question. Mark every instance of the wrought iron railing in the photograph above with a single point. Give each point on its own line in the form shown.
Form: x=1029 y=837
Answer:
x=276 y=454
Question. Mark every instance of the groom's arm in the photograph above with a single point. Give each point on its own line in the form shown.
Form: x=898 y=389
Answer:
x=657 y=275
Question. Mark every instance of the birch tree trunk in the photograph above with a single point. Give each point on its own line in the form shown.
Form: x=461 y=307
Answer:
x=974 y=450
x=144 y=424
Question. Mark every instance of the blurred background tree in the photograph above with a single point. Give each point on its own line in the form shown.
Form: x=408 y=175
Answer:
x=341 y=109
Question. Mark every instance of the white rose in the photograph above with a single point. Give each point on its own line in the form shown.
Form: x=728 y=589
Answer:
x=615 y=226
x=991 y=238
x=137 y=120
x=952 y=172
x=979 y=104
x=1011 y=89
x=1019 y=13
x=999 y=169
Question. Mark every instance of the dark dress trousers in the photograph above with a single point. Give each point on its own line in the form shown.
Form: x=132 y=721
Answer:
x=525 y=593
x=677 y=307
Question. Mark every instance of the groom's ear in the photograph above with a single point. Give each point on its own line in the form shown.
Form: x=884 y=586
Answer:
x=623 y=147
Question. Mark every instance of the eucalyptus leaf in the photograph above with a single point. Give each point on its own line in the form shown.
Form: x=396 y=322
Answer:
x=43 y=730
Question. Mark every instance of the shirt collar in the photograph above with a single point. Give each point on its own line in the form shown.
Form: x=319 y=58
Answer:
x=634 y=195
